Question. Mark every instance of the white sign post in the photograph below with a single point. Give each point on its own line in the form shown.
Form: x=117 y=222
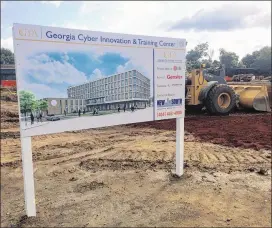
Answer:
x=74 y=70
x=179 y=146
x=29 y=189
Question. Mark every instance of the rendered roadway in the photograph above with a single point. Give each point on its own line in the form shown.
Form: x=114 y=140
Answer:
x=87 y=122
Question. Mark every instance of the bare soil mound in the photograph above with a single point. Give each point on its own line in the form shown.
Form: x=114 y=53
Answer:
x=8 y=114
x=9 y=117
x=8 y=94
x=247 y=131
x=7 y=135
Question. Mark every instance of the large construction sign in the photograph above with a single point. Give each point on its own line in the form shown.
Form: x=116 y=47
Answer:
x=74 y=79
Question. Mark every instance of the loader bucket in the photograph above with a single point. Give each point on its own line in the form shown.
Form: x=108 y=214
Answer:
x=257 y=97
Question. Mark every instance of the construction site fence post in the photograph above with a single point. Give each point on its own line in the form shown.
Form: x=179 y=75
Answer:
x=179 y=146
x=29 y=189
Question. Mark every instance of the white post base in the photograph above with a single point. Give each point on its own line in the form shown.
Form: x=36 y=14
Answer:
x=179 y=146
x=29 y=190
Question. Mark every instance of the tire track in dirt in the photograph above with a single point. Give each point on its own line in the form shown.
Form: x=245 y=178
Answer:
x=126 y=164
x=220 y=157
x=159 y=160
x=192 y=157
x=78 y=157
x=137 y=156
x=156 y=147
x=168 y=156
x=105 y=154
x=10 y=135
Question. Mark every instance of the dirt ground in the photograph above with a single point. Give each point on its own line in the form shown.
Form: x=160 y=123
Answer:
x=246 y=131
x=122 y=176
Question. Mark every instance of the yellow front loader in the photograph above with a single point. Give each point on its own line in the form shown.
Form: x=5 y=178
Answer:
x=220 y=98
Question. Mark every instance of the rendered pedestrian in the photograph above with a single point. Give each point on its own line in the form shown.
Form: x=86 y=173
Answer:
x=32 y=118
x=41 y=117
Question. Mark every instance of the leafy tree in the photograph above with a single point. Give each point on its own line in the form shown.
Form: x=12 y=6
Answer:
x=34 y=106
x=248 y=60
x=229 y=59
x=27 y=102
x=207 y=62
x=192 y=65
x=263 y=61
x=7 y=57
x=194 y=56
x=241 y=65
x=198 y=52
x=260 y=60
x=216 y=64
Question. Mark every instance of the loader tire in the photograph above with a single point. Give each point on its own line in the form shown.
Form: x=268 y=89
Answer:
x=221 y=100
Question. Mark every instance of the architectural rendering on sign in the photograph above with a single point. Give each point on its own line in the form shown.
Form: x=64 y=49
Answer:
x=95 y=79
x=128 y=89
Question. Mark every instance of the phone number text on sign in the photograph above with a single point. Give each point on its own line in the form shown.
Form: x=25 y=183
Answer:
x=169 y=113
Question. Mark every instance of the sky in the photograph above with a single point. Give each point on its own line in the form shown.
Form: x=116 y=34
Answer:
x=241 y=27
x=48 y=70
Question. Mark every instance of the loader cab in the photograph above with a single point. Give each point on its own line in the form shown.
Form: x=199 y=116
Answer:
x=194 y=84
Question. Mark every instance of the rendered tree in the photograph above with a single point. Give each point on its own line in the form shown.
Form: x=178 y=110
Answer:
x=42 y=105
x=27 y=102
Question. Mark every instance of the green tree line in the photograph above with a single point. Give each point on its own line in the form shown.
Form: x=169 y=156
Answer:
x=7 y=57
x=201 y=54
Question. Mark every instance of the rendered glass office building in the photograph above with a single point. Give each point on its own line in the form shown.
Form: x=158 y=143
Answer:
x=129 y=88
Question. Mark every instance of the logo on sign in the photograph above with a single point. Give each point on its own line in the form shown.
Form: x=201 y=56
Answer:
x=169 y=54
x=169 y=102
x=174 y=76
x=28 y=32
x=175 y=68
